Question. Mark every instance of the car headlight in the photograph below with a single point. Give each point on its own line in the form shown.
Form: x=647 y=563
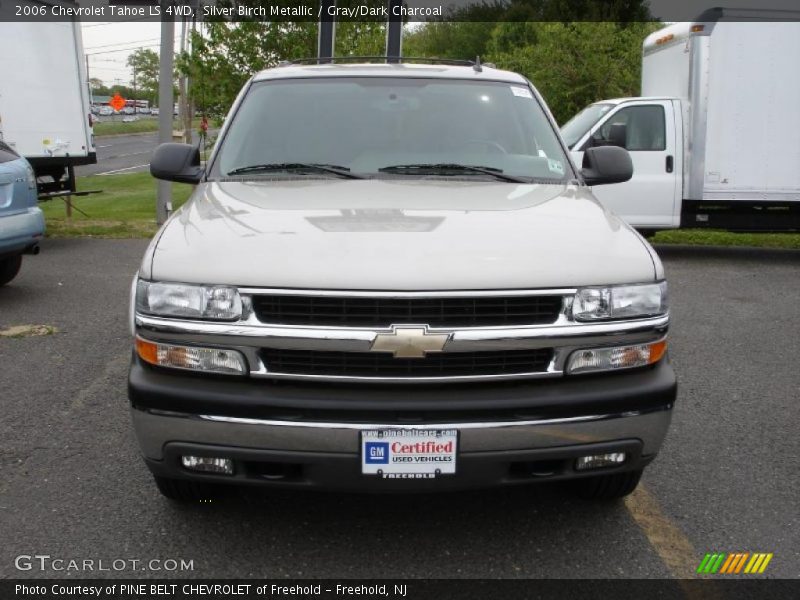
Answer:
x=221 y=303
x=620 y=302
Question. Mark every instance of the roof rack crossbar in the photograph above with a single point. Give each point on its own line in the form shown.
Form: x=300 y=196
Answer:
x=401 y=59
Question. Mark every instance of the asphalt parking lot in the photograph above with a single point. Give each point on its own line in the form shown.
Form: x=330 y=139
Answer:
x=74 y=487
x=125 y=153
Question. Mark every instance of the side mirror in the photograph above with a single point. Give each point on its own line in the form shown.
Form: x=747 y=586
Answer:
x=177 y=162
x=606 y=164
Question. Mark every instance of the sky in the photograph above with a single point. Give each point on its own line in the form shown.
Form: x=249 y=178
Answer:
x=109 y=44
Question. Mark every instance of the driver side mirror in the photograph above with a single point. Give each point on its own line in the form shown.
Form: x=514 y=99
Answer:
x=177 y=162
x=606 y=164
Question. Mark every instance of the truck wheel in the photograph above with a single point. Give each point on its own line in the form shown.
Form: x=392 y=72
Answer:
x=607 y=487
x=183 y=491
x=9 y=267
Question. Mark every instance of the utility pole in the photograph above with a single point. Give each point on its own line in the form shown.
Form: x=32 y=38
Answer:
x=89 y=81
x=165 y=103
x=183 y=91
x=135 y=94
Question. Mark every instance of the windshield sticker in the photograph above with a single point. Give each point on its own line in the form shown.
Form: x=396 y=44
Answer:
x=556 y=166
x=521 y=92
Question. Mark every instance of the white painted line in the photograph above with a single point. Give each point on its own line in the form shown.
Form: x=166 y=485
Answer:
x=123 y=170
x=128 y=154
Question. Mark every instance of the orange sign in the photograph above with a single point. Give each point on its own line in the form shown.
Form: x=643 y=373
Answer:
x=117 y=102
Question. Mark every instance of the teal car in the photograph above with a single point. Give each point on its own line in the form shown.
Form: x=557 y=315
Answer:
x=21 y=220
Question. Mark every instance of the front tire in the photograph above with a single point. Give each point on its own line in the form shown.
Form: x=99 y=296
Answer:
x=179 y=490
x=9 y=267
x=607 y=487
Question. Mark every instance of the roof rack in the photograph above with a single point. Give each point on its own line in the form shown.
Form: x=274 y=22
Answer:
x=394 y=59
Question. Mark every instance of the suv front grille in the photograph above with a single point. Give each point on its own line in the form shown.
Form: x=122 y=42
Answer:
x=355 y=311
x=384 y=365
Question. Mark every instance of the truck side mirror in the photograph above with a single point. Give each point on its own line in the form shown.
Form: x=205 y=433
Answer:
x=606 y=164
x=177 y=162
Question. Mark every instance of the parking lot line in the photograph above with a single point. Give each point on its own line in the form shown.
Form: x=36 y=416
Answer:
x=123 y=170
x=669 y=542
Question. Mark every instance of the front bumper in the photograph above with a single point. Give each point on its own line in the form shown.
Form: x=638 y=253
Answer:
x=307 y=436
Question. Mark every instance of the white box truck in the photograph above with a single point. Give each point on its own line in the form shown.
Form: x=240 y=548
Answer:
x=45 y=110
x=715 y=137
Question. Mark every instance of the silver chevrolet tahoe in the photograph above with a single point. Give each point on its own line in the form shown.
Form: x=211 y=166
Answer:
x=393 y=278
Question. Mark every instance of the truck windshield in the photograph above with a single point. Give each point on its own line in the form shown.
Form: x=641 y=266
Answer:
x=574 y=129
x=391 y=128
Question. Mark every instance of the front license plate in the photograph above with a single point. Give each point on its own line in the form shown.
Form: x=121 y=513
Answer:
x=409 y=453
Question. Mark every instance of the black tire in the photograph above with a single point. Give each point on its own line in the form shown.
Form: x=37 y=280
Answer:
x=607 y=487
x=179 y=490
x=9 y=267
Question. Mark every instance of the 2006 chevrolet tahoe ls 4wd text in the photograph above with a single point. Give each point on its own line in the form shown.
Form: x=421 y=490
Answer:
x=392 y=278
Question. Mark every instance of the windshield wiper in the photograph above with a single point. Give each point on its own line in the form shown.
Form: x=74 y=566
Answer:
x=438 y=168
x=335 y=169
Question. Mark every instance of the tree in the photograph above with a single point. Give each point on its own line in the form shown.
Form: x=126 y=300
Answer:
x=226 y=55
x=145 y=65
x=574 y=64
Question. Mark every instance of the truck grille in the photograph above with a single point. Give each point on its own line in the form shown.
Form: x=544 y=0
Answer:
x=354 y=311
x=384 y=365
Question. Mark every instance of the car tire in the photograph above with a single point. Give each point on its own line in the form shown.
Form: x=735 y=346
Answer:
x=607 y=487
x=9 y=267
x=179 y=490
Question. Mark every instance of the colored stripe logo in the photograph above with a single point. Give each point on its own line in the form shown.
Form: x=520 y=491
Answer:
x=735 y=563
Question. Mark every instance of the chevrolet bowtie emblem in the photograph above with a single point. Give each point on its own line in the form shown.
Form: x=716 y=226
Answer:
x=409 y=342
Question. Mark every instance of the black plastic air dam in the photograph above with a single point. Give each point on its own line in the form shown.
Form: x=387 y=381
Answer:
x=340 y=471
x=635 y=390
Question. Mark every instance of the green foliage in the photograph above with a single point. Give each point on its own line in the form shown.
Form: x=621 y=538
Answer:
x=460 y=40
x=145 y=65
x=573 y=64
x=225 y=55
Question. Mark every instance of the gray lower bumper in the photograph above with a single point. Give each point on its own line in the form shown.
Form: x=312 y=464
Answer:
x=155 y=430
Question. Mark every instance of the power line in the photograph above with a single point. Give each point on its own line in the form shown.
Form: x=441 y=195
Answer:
x=123 y=49
x=128 y=43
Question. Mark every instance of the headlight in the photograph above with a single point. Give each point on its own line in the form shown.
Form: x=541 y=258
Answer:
x=620 y=302
x=193 y=301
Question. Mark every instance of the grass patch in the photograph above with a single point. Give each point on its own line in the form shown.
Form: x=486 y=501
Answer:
x=125 y=209
x=143 y=125
x=711 y=237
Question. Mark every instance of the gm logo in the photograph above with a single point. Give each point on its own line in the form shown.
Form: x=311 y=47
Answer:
x=376 y=453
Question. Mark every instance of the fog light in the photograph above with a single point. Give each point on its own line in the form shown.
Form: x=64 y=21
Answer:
x=208 y=464
x=598 y=461
x=210 y=360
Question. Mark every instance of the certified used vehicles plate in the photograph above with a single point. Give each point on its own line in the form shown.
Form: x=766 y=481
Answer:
x=409 y=453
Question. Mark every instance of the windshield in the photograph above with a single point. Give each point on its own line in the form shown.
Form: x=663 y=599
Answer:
x=577 y=126
x=391 y=127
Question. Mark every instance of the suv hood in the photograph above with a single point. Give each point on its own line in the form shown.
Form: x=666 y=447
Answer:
x=396 y=234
